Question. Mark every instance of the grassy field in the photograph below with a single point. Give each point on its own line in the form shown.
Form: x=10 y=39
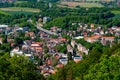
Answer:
x=20 y=9
x=74 y=4
x=117 y=13
x=4 y=13
x=20 y=2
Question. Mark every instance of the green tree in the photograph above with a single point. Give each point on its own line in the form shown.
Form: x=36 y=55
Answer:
x=18 y=68
x=69 y=54
x=107 y=69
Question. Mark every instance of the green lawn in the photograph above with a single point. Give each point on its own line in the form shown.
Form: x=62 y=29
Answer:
x=117 y=13
x=20 y=2
x=5 y=13
x=20 y=9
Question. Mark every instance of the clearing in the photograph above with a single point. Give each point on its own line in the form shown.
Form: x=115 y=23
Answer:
x=117 y=13
x=81 y=4
x=4 y=13
x=20 y=9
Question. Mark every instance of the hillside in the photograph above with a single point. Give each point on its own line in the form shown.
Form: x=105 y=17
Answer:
x=103 y=65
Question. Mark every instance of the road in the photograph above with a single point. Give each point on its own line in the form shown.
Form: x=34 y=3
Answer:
x=46 y=31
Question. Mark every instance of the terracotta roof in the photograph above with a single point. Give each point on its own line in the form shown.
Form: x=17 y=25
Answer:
x=76 y=61
x=93 y=37
x=53 y=71
x=60 y=65
x=1 y=38
x=108 y=37
x=62 y=39
x=39 y=48
x=37 y=42
x=57 y=56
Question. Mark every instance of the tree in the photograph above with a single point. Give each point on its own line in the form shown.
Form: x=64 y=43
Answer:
x=108 y=68
x=61 y=48
x=69 y=54
x=18 y=68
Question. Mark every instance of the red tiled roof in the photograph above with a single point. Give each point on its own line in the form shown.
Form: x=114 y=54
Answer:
x=108 y=37
x=62 y=39
x=76 y=61
x=60 y=65
x=39 y=48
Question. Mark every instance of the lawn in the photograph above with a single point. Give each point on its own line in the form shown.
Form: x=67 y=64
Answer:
x=2 y=12
x=117 y=13
x=20 y=2
x=20 y=9
x=74 y=4
x=18 y=12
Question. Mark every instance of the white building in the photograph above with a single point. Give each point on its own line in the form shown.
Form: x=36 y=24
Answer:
x=82 y=49
x=16 y=52
x=45 y=19
x=3 y=26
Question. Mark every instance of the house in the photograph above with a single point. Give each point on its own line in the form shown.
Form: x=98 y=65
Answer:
x=79 y=37
x=10 y=40
x=60 y=39
x=73 y=43
x=118 y=28
x=36 y=47
x=92 y=38
x=77 y=59
x=82 y=49
x=28 y=55
x=1 y=40
x=69 y=48
x=45 y=19
x=59 y=65
x=27 y=42
x=102 y=32
x=53 y=71
x=25 y=29
x=3 y=26
x=108 y=38
x=30 y=34
x=55 y=29
x=92 y=25
x=63 y=60
x=36 y=44
x=117 y=34
x=16 y=51
x=115 y=28
x=57 y=56
x=49 y=62
x=8 y=30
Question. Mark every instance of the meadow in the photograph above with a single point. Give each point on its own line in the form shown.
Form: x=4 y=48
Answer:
x=117 y=13
x=74 y=4
x=20 y=9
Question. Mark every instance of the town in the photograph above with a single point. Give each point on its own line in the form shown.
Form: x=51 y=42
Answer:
x=43 y=48
x=59 y=39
